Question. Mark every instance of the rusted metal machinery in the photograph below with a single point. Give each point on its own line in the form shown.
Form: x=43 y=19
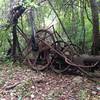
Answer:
x=60 y=56
x=52 y=51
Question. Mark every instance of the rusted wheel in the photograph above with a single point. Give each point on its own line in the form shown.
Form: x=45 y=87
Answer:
x=71 y=50
x=58 y=63
x=59 y=45
x=42 y=58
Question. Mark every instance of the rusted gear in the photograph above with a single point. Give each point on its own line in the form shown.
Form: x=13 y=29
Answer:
x=71 y=50
x=58 y=63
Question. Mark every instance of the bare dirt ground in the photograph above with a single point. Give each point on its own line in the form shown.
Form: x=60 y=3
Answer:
x=22 y=83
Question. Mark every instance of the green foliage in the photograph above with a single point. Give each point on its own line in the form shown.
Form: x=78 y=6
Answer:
x=3 y=41
x=83 y=94
x=69 y=12
x=28 y=3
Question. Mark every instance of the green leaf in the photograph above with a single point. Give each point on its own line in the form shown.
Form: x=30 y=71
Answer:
x=20 y=98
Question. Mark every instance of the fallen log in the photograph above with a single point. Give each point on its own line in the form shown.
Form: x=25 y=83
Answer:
x=85 y=59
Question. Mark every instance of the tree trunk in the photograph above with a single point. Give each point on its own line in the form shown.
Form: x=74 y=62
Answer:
x=14 y=43
x=96 y=35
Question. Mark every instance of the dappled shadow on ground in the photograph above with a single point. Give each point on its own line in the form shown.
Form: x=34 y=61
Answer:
x=22 y=83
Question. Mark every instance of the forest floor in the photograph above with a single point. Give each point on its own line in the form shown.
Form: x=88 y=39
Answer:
x=22 y=83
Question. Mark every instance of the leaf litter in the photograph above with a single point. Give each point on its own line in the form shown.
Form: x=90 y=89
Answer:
x=22 y=83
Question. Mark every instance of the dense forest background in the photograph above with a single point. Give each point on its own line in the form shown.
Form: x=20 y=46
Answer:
x=75 y=20
x=66 y=71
